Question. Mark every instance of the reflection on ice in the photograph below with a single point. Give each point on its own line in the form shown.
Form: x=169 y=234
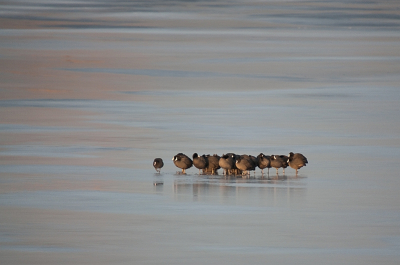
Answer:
x=237 y=191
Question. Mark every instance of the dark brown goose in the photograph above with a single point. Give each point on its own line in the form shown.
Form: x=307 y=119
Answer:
x=263 y=162
x=158 y=164
x=277 y=162
x=182 y=161
x=213 y=164
x=245 y=164
x=285 y=162
x=227 y=162
x=297 y=161
x=235 y=170
x=200 y=162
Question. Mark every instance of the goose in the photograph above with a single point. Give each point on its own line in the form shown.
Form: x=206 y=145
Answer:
x=213 y=164
x=263 y=162
x=158 y=164
x=182 y=161
x=245 y=163
x=285 y=162
x=200 y=162
x=297 y=161
x=277 y=162
x=227 y=162
x=235 y=170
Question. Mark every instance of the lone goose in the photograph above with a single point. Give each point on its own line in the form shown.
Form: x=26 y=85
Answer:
x=158 y=164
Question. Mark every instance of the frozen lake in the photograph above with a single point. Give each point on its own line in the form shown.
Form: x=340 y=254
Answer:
x=91 y=92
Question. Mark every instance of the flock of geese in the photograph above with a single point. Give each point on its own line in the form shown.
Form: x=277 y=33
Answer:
x=234 y=164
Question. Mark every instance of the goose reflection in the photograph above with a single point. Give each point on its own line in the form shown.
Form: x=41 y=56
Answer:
x=280 y=192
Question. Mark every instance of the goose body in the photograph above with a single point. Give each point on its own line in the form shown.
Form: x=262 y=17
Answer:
x=182 y=161
x=158 y=163
x=200 y=162
x=264 y=162
x=285 y=162
x=277 y=162
x=227 y=162
x=297 y=161
x=213 y=164
x=235 y=170
x=245 y=163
